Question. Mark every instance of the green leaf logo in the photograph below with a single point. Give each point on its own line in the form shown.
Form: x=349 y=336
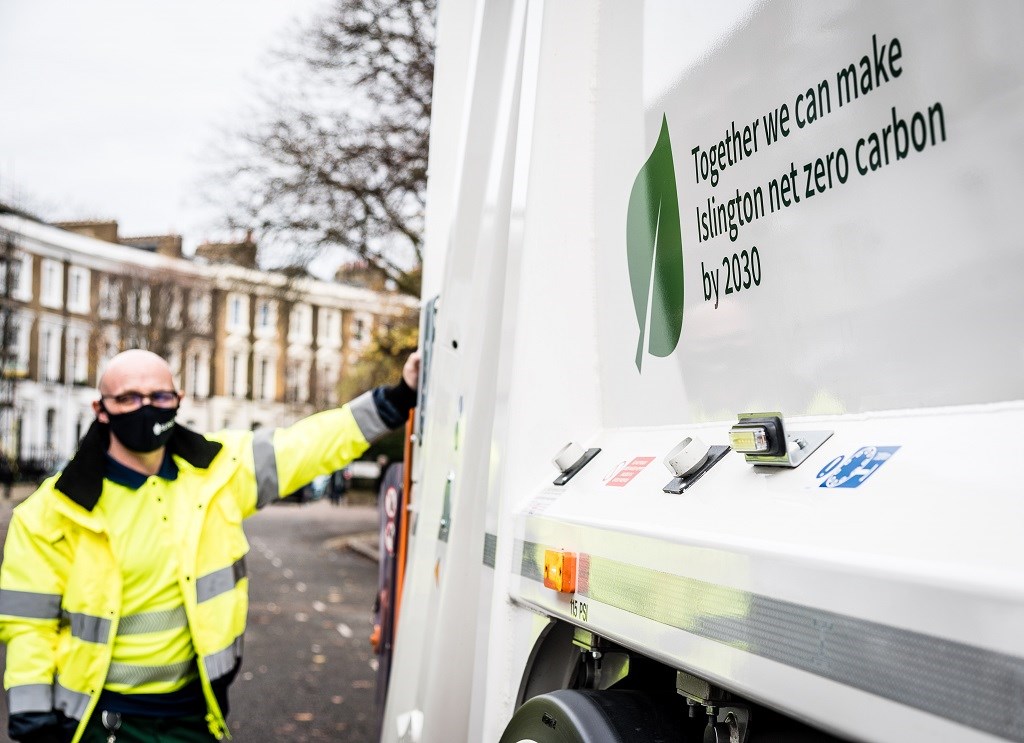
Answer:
x=654 y=251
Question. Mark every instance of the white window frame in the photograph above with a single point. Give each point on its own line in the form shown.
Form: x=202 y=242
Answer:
x=51 y=283
x=109 y=297
x=77 y=364
x=297 y=380
x=138 y=304
x=238 y=313
x=174 y=359
x=49 y=351
x=264 y=377
x=22 y=290
x=266 y=318
x=15 y=264
x=78 y=290
x=197 y=372
x=174 y=307
x=238 y=361
x=200 y=307
x=300 y=324
x=329 y=328
x=21 y=328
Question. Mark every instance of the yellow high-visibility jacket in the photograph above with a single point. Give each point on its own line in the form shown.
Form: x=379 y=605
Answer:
x=60 y=582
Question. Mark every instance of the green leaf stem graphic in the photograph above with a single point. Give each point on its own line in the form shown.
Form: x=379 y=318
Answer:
x=654 y=252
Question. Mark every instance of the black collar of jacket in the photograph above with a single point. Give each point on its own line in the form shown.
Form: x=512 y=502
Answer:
x=82 y=478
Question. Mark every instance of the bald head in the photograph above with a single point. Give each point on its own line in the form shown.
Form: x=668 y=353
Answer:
x=137 y=371
x=138 y=401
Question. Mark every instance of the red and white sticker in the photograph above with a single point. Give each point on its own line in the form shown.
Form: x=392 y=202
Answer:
x=628 y=471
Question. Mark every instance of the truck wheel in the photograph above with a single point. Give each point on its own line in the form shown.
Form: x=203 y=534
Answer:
x=571 y=716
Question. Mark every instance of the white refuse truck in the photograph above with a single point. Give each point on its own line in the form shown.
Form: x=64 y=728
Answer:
x=722 y=431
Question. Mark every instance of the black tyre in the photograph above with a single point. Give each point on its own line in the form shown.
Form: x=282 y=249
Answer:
x=570 y=716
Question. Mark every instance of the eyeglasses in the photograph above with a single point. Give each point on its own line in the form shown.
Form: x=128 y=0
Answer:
x=133 y=400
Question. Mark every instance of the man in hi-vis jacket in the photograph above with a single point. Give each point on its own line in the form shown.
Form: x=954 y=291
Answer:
x=123 y=594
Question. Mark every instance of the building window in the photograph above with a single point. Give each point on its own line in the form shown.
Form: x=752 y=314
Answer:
x=174 y=359
x=300 y=324
x=264 y=382
x=265 y=314
x=110 y=297
x=109 y=349
x=9 y=272
x=78 y=361
x=197 y=374
x=17 y=346
x=51 y=291
x=20 y=274
x=297 y=381
x=138 y=305
x=238 y=312
x=49 y=354
x=174 y=302
x=327 y=382
x=51 y=429
x=199 y=308
x=361 y=325
x=237 y=371
x=191 y=374
x=78 y=290
x=329 y=329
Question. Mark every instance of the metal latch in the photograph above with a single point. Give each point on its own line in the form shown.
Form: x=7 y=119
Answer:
x=570 y=459
x=690 y=459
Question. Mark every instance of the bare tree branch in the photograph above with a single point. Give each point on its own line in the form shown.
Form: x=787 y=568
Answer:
x=341 y=159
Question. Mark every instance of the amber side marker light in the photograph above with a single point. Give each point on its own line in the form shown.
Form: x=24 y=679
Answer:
x=560 y=571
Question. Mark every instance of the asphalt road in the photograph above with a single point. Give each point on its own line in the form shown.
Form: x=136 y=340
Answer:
x=308 y=672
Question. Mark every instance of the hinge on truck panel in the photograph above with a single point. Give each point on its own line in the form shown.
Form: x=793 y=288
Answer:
x=600 y=667
x=727 y=721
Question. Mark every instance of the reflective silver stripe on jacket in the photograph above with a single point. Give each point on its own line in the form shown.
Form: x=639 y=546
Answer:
x=267 y=487
x=71 y=703
x=152 y=621
x=220 y=581
x=223 y=661
x=29 y=698
x=364 y=410
x=89 y=628
x=136 y=675
x=30 y=605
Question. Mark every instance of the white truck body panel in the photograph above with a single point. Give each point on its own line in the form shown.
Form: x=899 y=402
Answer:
x=877 y=590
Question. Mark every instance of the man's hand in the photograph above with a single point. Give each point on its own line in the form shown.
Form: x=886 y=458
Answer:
x=411 y=370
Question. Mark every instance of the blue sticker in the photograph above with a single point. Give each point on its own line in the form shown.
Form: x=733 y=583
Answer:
x=852 y=470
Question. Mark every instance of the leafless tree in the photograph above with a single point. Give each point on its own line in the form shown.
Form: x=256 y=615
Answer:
x=157 y=311
x=339 y=160
x=8 y=361
x=381 y=361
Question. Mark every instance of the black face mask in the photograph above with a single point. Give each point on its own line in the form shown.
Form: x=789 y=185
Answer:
x=143 y=430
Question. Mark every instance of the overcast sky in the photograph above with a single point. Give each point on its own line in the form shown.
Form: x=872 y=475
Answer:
x=110 y=109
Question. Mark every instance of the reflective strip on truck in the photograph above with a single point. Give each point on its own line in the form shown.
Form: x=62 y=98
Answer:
x=969 y=685
x=490 y=549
